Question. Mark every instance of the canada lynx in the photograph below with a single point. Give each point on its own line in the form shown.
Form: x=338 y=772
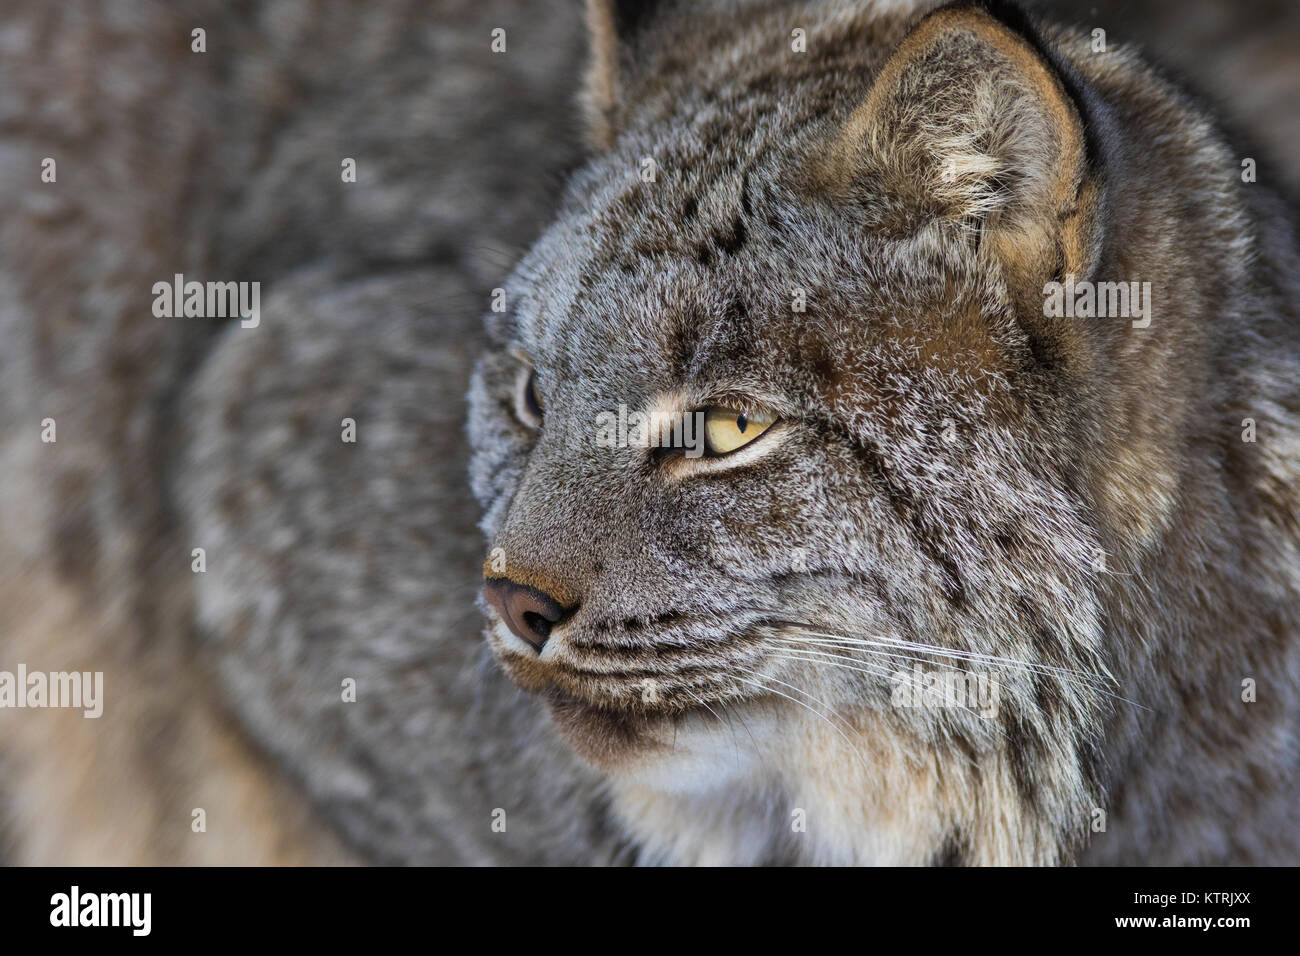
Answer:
x=914 y=463
x=889 y=453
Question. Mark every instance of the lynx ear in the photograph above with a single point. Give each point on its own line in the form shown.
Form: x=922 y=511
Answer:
x=969 y=121
x=613 y=27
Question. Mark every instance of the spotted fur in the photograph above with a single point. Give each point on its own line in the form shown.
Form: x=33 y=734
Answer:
x=948 y=462
x=957 y=477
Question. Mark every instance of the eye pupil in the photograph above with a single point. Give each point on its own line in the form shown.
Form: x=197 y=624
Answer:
x=727 y=429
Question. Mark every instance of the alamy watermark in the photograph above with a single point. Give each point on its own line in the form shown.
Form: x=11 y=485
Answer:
x=133 y=911
x=922 y=687
x=1102 y=300
x=637 y=429
x=210 y=300
x=56 y=689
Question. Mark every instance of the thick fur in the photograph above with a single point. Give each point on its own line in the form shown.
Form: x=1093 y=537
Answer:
x=1093 y=514
x=948 y=466
x=226 y=166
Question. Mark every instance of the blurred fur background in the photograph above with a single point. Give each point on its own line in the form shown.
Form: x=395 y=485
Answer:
x=174 y=434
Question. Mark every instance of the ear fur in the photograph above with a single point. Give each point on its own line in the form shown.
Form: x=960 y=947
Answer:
x=970 y=122
x=613 y=27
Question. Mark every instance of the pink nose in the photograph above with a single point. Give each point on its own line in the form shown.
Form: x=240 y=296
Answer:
x=528 y=612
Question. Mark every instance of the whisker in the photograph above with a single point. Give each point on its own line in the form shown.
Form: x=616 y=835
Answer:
x=744 y=726
x=1078 y=678
x=1007 y=663
x=919 y=688
x=840 y=658
x=804 y=644
x=964 y=655
x=957 y=653
x=793 y=700
x=700 y=700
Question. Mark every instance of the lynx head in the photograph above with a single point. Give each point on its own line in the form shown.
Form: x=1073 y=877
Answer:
x=819 y=276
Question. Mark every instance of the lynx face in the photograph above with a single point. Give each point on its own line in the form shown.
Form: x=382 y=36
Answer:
x=911 y=498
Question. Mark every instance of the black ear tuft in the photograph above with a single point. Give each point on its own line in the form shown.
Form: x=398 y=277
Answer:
x=613 y=27
x=631 y=15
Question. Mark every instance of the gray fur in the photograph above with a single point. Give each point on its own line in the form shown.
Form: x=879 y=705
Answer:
x=1072 y=439
x=329 y=560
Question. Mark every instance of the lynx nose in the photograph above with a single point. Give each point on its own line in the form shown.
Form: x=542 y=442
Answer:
x=528 y=612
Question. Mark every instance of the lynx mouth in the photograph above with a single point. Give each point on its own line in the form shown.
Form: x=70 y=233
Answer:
x=648 y=673
x=626 y=699
x=645 y=693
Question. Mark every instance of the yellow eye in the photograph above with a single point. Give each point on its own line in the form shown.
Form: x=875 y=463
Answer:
x=726 y=429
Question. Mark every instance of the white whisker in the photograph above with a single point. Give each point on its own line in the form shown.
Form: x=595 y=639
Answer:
x=912 y=684
x=772 y=690
x=959 y=654
x=805 y=645
x=793 y=633
x=700 y=700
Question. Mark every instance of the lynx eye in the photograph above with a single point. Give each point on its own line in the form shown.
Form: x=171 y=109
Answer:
x=528 y=401
x=727 y=429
